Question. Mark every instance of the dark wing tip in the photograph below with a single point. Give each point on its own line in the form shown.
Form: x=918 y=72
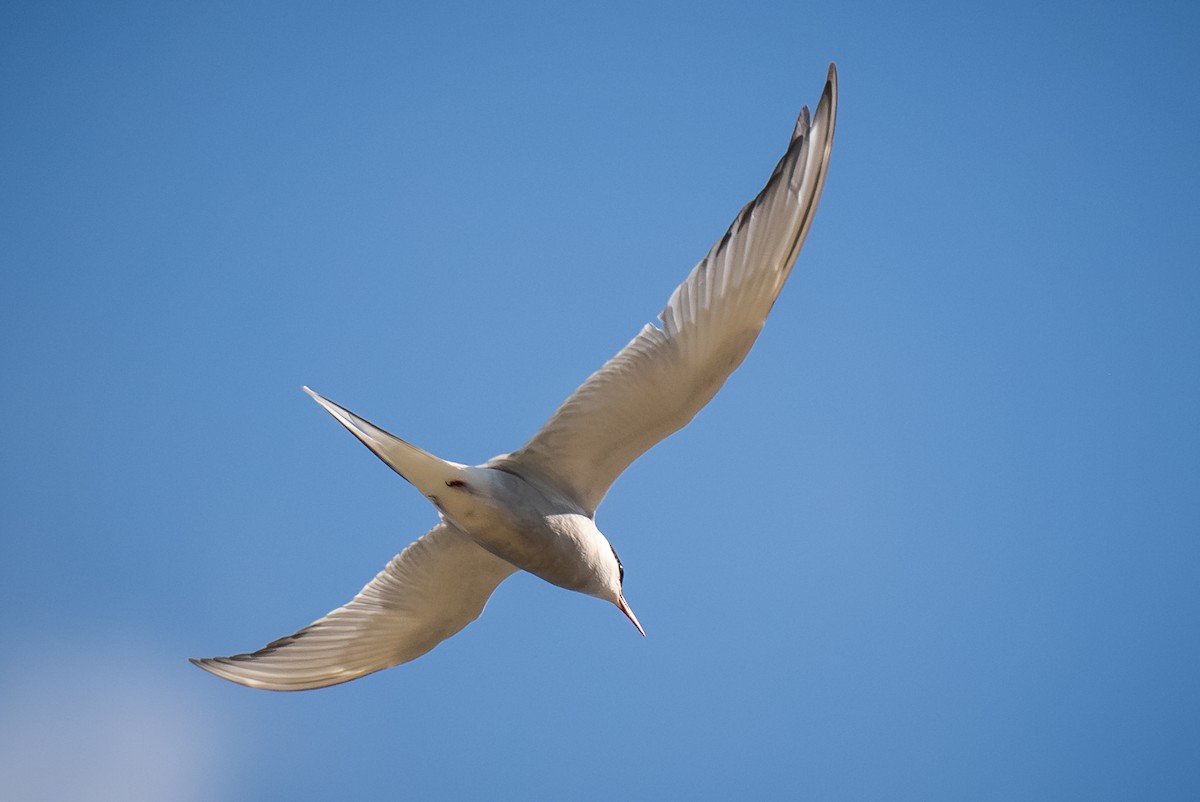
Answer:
x=802 y=124
x=829 y=96
x=828 y=101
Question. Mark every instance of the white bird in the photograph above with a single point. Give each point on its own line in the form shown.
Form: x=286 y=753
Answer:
x=534 y=509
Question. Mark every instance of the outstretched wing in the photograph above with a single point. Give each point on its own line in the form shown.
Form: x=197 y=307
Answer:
x=660 y=380
x=427 y=593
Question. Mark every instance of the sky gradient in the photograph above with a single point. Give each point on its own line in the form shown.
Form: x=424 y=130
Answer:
x=938 y=537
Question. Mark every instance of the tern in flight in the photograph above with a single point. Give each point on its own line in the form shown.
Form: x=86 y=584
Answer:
x=534 y=510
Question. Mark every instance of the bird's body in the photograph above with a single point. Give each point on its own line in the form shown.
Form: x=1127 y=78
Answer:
x=536 y=529
x=534 y=510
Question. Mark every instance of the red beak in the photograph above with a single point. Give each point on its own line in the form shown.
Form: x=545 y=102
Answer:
x=624 y=605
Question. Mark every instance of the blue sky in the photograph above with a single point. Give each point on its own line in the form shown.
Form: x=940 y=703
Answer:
x=938 y=538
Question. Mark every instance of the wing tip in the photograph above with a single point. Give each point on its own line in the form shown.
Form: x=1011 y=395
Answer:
x=826 y=105
x=829 y=97
x=214 y=666
x=227 y=669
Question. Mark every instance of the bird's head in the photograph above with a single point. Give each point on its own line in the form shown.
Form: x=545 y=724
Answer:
x=614 y=592
x=596 y=568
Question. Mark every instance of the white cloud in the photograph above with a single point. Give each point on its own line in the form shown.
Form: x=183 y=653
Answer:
x=104 y=726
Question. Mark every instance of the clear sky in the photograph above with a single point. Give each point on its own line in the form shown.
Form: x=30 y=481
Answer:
x=938 y=538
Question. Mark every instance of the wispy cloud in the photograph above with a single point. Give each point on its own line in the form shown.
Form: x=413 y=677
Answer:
x=104 y=726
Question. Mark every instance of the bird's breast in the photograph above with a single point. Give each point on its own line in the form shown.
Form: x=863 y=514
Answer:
x=514 y=521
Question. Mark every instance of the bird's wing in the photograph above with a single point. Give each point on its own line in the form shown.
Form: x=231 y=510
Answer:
x=660 y=380
x=428 y=592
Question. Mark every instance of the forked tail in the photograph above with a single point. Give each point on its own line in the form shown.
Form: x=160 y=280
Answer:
x=420 y=468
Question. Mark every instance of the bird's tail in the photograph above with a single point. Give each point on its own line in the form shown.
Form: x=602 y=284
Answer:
x=420 y=468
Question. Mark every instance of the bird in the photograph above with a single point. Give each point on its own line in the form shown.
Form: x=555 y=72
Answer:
x=534 y=509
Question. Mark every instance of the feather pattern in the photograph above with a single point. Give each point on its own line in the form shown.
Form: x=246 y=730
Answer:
x=667 y=373
x=427 y=593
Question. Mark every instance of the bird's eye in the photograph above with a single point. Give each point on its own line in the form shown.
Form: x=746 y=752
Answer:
x=620 y=568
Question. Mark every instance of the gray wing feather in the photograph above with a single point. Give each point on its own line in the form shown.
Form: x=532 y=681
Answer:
x=427 y=593
x=658 y=382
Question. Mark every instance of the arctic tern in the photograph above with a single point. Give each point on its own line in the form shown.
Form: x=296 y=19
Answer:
x=534 y=509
